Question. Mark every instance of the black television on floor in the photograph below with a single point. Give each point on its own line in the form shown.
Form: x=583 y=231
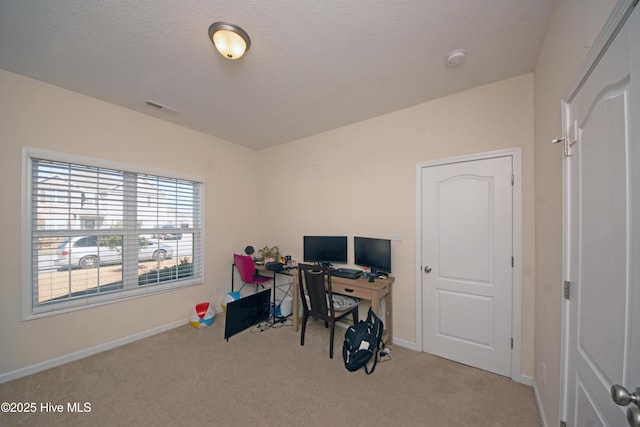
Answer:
x=246 y=312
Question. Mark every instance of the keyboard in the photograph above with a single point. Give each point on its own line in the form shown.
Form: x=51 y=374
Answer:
x=346 y=273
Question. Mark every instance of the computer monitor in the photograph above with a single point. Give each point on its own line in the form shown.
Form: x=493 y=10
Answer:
x=325 y=249
x=373 y=253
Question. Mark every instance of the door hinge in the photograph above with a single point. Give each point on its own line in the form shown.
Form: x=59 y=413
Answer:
x=567 y=289
x=513 y=179
x=513 y=262
x=563 y=423
x=566 y=145
x=511 y=343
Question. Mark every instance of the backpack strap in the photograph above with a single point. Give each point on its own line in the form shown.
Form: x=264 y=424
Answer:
x=378 y=327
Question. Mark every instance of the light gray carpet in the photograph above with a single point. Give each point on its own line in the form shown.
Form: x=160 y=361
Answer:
x=190 y=376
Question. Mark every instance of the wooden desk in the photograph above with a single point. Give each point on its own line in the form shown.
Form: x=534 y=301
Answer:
x=359 y=288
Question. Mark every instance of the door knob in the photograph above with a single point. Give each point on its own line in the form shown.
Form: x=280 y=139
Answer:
x=633 y=417
x=427 y=269
x=622 y=397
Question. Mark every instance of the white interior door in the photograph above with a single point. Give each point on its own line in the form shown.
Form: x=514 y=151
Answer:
x=467 y=262
x=603 y=242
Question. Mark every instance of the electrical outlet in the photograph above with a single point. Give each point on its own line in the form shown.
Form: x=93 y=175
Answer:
x=395 y=235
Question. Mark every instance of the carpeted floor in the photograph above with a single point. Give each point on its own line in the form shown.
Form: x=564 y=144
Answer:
x=190 y=376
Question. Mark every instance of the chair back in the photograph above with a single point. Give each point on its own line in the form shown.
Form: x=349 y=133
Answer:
x=315 y=283
x=244 y=264
x=317 y=300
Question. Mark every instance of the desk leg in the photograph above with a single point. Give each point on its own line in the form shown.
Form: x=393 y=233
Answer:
x=296 y=307
x=386 y=316
x=275 y=318
x=388 y=302
x=375 y=306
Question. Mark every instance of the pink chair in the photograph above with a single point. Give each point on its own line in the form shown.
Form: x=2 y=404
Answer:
x=247 y=270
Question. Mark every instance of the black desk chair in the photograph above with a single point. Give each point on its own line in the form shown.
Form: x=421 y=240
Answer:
x=318 y=300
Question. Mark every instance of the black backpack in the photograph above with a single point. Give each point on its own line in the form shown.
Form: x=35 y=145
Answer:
x=362 y=341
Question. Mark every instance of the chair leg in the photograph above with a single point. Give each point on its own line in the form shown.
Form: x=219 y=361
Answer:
x=355 y=316
x=303 y=328
x=333 y=329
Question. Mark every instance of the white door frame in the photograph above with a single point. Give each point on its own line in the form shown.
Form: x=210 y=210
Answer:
x=516 y=298
x=612 y=26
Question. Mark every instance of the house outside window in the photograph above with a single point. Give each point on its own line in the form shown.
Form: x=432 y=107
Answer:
x=95 y=232
x=54 y=196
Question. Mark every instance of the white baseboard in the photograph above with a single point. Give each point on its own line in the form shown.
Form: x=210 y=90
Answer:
x=543 y=418
x=406 y=344
x=38 y=367
x=523 y=379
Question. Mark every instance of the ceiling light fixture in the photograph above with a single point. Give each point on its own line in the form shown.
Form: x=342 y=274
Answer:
x=230 y=40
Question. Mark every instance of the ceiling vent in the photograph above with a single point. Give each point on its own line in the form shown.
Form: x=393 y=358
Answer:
x=162 y=107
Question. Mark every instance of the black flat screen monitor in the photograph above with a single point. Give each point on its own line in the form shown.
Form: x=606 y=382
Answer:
x=246 y=312
x=372 y=253
x=325 y=249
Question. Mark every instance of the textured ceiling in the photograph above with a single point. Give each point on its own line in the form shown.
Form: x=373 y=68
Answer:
x=312 y=65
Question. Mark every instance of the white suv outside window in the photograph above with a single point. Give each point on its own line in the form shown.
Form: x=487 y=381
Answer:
x=92 y=251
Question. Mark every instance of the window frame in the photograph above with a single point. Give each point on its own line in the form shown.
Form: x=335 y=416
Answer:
x=31 y=310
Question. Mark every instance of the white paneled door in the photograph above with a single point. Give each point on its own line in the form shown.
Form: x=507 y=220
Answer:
x=602 y=255
x=467 y=262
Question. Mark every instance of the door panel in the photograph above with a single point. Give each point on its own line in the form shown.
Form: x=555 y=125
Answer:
x=475 y=327
x=467 y=242
x=602 y=193
x=457 y=197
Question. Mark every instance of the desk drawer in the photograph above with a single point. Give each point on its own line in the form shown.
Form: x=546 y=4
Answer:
x=352 y=291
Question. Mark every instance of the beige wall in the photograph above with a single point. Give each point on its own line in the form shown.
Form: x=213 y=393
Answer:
x=43 y=116
x=369 y=167
x=573 y=28
x=361 y=180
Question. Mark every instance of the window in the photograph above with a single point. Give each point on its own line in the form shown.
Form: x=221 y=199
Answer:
x=103 y=237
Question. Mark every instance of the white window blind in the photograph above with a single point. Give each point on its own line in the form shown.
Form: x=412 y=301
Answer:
x=99 y=232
